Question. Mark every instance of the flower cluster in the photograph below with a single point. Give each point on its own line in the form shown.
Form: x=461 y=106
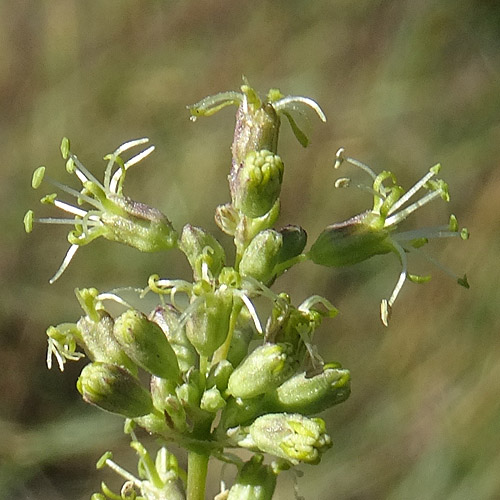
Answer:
x=220 y=375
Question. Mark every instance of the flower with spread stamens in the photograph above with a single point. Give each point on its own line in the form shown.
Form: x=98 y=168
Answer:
x=374 y=232
x=111 y=214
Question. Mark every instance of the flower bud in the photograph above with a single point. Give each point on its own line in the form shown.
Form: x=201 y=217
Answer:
x=290 y=436
x=208 y=324
x=114 y=389
x=167 y=318
x=265 y=368
x=351 y=241
x=255 y=481
x=256 y=184
x=261 y=256
x=308 y=396
x=212 y=401
x=202 y=250
x=99 y=342
x=294 y=242
x=145 y=343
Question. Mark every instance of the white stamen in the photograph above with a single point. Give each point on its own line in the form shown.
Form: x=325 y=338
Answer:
x=130 y=144
x=122 y=472
x=403 y=214
x=282 y=103
x=402 y=275
x=114 y=298
x=409 y=194
x=65 y=263
x=66 y=207
x=253 y=313
x=120 y=171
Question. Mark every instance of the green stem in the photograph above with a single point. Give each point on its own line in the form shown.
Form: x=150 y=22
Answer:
x=197 y=475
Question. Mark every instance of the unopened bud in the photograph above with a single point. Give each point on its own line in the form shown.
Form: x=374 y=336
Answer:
x=308 y=396
x=294 y=242
x=146 y=344
x=167 y=318
x=256 y=184
x=100 y=343
x=212 y=400
x=265 y=368
x=208 y=324
x=351 y=241
x=261 y=256
x=114 y=389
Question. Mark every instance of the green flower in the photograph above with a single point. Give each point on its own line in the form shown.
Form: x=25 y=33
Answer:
x=111 y=214
x=375 y=232
x=292 y=437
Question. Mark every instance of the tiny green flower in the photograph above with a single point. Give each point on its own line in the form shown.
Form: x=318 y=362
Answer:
x=111 y=215
x=114 y=389
x=292 y=437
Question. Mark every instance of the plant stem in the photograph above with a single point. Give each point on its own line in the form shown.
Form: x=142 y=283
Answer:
x=197 y=475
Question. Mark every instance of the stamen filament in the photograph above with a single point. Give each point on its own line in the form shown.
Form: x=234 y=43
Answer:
x=77 y=194
x=71 y=222
x=65 y=263
x=85 y=171
x=118 y=175
x=403 y=214
x=431 y=232
x=66 y=207
x=253 y=313
x=361 y=165
x=409 y=194
x=282 y=103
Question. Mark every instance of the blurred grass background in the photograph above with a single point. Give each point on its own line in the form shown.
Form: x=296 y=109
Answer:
x=404 y=84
